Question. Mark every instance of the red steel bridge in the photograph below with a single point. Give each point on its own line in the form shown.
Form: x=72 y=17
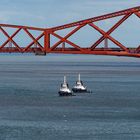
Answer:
x=43 y=47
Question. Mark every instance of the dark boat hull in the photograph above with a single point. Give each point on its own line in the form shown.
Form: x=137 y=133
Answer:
x=65 y=93
x=78 y=90
x=81 y=91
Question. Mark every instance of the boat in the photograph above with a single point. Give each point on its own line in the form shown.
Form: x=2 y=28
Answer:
x=79 y=87
x=64 y=89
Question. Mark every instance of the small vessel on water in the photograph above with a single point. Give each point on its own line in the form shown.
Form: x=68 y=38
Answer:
x=64 y=89
x=79 y=87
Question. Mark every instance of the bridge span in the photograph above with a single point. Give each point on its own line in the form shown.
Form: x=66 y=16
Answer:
x=41 y=44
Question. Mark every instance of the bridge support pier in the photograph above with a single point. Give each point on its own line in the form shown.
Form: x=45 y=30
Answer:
x=106 y=43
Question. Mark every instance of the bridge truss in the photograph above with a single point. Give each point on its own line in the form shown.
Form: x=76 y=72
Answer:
x=41 y=43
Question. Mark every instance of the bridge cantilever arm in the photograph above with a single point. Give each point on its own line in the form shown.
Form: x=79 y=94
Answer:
x=137 y=14
x=22 y=27
x=98 y=18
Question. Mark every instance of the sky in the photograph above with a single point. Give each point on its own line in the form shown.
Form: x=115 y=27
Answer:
x=49 y=13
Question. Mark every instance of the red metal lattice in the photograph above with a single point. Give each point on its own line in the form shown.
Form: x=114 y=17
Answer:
x=45 y=33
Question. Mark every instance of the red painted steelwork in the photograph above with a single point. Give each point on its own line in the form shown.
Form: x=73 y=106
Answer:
x=35 y=46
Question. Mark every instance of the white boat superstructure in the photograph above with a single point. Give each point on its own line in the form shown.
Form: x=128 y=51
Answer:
x=79 y=87
x=64 y=89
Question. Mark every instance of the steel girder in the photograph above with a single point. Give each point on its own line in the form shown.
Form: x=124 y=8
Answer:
x=35 y=46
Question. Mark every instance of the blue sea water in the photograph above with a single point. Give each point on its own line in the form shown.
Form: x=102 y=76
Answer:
x=30 y=108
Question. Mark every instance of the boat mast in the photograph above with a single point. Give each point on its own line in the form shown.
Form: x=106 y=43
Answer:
x=79 y=77
x=64 y=80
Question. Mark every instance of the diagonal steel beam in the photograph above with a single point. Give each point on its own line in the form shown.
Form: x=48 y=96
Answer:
x=33 y=38
x=66 y=37
x=138 y=49
x=98 y=18
x=11 y=39
x=137 y=14
x=67 y=41
x=27 y=47
x=106 y=34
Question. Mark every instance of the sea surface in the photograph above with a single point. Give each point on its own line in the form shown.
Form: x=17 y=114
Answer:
x=30 y=108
